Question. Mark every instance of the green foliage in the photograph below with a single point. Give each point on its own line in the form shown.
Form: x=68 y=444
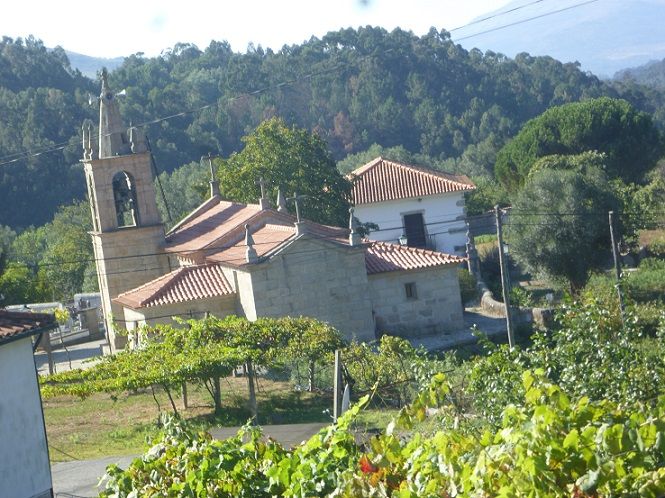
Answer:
x=590 y=354
x=467 y=285
x=434 y=99
x=296 y=161
x=558 y=224
x=488 y=193
x=198 y=351
x=547 y=445
x=185 y=188
x=641 y=207
x=648 y=282
x=50 y=262
x=628 y=138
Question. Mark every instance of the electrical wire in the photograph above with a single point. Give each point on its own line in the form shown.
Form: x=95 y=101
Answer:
x=529 y=19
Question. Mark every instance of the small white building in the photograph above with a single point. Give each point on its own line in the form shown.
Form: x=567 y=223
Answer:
x=422 y=206
x=24 y=460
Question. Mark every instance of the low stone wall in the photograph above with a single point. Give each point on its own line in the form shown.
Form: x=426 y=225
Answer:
x=540 y=317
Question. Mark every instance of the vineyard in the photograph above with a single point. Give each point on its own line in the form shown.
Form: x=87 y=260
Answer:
x=579 y=411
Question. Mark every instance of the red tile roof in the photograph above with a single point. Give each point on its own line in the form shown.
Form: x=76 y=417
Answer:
x=271 y=236
x=383 y=180
x=381 y=257
x=14 y=324
x=208 y=227
x=184 y=284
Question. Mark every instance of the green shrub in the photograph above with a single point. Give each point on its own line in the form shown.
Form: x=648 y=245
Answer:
x=657 y=247
x=648 y=282
x=467 y=286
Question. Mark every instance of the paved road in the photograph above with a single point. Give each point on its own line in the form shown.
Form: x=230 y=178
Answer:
x=80 y=478
x=76 y=355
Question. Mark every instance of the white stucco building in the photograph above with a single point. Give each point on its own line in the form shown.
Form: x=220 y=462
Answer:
x=423 y=206
x=25 y=471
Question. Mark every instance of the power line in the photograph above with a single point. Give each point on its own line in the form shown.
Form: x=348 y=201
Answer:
x=493 y=16
x=528 y=19
x=16 y=157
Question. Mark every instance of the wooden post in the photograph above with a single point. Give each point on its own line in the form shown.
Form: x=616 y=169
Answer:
x=504 y=277
x=252 y=393
x=217 y=392
x=184 y=396
x=337 y=384
x=617 y=267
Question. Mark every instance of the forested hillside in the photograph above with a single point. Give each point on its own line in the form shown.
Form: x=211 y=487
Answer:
x=651 y=74
x=355 y=88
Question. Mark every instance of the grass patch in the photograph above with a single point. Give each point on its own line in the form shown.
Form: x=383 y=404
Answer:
x=104 y=425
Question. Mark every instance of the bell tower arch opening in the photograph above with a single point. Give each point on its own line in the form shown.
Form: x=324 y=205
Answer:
x=124 y=198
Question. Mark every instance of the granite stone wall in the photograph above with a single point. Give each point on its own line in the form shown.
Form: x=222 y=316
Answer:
x=315 y=279
x=434 y=307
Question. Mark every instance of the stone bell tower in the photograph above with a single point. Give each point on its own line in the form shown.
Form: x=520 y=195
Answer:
x=127 y=234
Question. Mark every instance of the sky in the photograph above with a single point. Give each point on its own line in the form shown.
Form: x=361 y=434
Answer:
x=121 y=27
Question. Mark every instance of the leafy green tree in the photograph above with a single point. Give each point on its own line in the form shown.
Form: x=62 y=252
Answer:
x=7 y=236
x=185 y=188
x=628 y=138
x=296 y=161
x=68 y=250
x=558 y=225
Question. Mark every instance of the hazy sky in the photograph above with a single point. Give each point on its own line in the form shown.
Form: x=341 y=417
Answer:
x=120 y=27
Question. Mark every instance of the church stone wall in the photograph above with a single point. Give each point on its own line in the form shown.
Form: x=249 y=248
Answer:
x=318 y=280
x=216 y=306
x=436 y=307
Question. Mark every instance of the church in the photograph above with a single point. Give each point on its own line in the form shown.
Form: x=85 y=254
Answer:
x=249 y=260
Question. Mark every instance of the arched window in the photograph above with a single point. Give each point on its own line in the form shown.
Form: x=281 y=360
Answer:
x=124 y=195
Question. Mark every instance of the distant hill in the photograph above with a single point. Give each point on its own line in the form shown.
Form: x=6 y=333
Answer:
x=90 y=65
x=605 y=36
x=650 y=74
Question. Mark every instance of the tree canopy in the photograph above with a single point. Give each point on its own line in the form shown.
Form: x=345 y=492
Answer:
x=294 y=160
x=559 y=224
x=354 y=87
x=628 y=138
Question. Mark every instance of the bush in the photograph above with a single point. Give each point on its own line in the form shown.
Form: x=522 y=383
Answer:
x=591 y=354
x=648 y=282
x=657 y=247
x=467 y=286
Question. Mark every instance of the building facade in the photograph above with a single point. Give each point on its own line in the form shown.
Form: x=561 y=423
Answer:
x=250 y=260
x=421 y=206
x=25 y=470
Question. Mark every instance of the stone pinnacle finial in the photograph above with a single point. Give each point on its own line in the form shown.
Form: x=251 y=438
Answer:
x=264 y=202
x=214 y=184
x=281 y=202
x=354 y=236
x=250 y=252
x=105 y=80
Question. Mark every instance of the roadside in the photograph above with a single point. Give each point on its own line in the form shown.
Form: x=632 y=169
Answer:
x=80 y=478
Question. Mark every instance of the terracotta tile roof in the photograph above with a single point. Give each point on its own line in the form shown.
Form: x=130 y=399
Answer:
x=266 y=239
x=211 y=225
x=383 y=257
x=14 y=324
x=271 y=236
x=184 y=284
x=383 y=180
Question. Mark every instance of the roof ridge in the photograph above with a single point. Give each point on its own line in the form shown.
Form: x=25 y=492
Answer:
x=419 y=167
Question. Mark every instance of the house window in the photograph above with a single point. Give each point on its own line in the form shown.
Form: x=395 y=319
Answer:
x=414 y=229
x=124 y=196
x=410 y=290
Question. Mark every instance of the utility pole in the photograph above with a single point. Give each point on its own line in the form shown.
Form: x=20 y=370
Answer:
x=337 y=385
x=504 y=277
x=617 y=267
